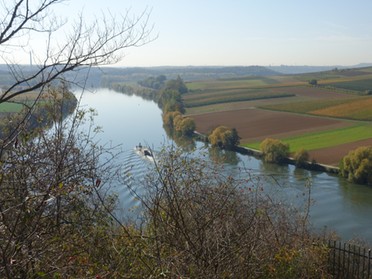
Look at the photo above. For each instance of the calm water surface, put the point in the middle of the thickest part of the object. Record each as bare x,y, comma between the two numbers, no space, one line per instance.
128,120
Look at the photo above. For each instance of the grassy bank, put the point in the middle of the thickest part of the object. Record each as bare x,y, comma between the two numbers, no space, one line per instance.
323,139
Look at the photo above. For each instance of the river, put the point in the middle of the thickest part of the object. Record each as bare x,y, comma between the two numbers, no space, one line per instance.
129,120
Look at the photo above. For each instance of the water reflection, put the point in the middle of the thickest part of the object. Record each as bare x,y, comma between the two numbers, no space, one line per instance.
128,120
358,195
301,174
187,144
274,169
223,156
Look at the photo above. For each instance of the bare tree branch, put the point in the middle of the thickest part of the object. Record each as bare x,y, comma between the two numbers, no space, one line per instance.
68,47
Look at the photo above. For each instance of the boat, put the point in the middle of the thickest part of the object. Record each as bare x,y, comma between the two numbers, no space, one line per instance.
144,151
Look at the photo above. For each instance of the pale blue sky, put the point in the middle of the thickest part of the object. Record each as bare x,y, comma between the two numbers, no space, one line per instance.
246,32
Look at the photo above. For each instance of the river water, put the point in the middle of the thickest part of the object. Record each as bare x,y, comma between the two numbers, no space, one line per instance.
129,120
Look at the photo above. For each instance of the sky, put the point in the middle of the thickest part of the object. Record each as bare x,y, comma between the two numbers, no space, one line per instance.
244,32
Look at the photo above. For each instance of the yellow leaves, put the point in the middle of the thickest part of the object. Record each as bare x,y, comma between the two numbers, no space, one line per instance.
274,150
224,137
286,255
357,165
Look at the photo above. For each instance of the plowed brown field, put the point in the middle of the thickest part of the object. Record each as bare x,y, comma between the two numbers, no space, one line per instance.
256,124
333,155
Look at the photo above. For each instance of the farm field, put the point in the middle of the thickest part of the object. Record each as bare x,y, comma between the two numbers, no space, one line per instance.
26,98
255,125
329,139
360,109
15,107
323,119
8,107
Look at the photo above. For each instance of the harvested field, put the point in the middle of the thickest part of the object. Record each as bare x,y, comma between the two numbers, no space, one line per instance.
333,155
255,124
360,109
304,116
313,92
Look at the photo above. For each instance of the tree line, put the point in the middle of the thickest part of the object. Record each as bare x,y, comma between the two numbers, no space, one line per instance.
356,166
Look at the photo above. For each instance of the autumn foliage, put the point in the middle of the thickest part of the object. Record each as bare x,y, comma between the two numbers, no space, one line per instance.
357,165
224,137
274,150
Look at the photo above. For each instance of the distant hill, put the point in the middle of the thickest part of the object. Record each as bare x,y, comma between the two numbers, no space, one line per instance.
190,73
289,70
105,76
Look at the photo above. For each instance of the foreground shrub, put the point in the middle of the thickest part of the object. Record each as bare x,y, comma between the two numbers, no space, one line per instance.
357,165
308,261
57,217
202,223
274,150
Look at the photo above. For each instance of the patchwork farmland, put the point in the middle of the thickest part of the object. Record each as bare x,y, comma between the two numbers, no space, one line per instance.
288,108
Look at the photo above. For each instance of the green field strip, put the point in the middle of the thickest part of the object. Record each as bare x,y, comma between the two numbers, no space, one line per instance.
229,84
10,107
221,92
306,106
323,139
229,99
355,85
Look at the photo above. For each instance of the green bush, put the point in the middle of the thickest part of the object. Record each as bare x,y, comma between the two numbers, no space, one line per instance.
301,157
185,126
313,82
177,124
357,165
274,150
224,137
202,223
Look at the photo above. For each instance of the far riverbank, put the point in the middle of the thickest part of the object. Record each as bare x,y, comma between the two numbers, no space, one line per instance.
313,166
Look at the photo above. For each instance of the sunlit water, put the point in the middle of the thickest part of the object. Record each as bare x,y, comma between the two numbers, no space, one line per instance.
130,120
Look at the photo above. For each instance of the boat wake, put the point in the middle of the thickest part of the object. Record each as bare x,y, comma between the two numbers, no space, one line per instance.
145,152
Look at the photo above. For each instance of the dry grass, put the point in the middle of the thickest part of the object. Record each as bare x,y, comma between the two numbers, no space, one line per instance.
360,109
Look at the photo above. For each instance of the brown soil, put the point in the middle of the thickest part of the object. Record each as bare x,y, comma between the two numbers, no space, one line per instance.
314,92
333,155
256,124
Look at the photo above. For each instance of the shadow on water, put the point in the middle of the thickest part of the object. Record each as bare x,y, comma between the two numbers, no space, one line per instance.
223,156
358,195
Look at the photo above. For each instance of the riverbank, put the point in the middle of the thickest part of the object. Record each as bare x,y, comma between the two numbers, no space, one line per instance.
313,166
306,165
63,104
338,205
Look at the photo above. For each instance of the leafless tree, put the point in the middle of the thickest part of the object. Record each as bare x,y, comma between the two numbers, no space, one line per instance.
67,46
54,186
48,196
202,222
